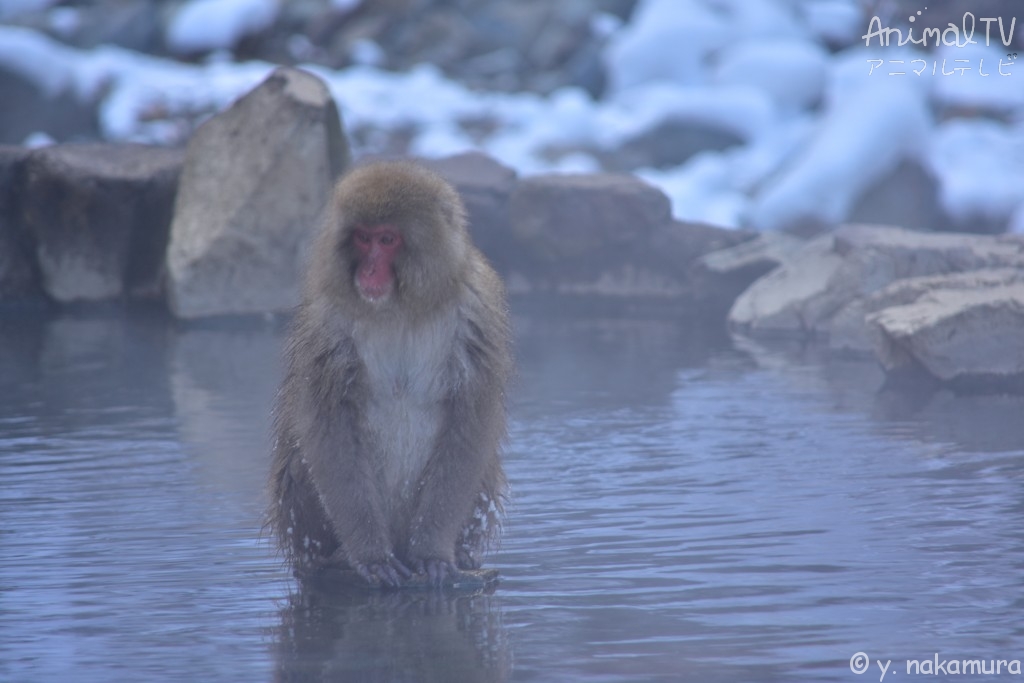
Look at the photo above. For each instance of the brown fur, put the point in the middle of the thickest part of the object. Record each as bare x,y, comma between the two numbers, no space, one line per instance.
391,414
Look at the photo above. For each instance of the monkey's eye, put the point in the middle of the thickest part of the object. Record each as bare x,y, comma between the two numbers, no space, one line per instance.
361,237
387,240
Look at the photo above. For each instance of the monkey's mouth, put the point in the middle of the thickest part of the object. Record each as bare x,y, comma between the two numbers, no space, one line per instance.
374,293
374,283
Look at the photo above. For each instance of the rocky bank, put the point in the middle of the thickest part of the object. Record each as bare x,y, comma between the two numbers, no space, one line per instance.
222,228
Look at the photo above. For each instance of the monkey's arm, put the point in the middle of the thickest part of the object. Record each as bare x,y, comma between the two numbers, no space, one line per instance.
448,491
468,444
327,392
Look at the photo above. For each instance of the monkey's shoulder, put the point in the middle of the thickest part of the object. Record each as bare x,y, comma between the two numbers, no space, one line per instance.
485,333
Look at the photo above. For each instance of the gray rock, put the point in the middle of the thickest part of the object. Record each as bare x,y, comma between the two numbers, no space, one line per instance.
612,236
572,215
27,109
849,330
720,275
581,233
750,259
668,144
99,217
907,197
19,276
679,250
126,23
485,186
967,337
256,179
801,297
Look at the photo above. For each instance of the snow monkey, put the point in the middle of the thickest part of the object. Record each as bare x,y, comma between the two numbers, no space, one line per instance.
391,414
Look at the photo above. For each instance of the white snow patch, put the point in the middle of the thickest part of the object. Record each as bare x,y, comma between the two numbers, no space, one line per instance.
760,19
64,20
202,25
837,21
970,77
701,190
980,167
365,51
39,60
715,187
38,139
870,125
741,110
667,40
792,73
603,24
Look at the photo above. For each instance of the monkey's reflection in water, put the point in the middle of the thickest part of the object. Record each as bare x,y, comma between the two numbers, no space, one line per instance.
361,635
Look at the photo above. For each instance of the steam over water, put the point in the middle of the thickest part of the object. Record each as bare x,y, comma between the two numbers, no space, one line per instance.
684,507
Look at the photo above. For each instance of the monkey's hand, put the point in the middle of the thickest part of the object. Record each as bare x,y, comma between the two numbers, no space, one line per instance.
387,571
435,569
464,559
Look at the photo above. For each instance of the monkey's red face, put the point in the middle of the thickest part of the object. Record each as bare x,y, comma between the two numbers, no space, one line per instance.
376,247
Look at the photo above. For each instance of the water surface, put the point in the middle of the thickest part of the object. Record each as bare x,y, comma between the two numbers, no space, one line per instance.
685,507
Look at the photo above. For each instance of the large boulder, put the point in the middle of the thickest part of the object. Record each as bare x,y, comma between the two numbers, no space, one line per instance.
19,277
99,215
485,186
722,274
851,331
579,232
611,235
969,337
256,179
669,143
908,196
802,297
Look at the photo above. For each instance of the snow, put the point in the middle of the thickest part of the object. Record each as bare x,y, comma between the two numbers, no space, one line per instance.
791,73
816,128
38,60
979,84
716,187
604,24
870,124
64,20
202,25
668,40
367,52
981,167
835,21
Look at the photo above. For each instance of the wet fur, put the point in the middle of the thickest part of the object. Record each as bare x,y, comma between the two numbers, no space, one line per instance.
389,421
